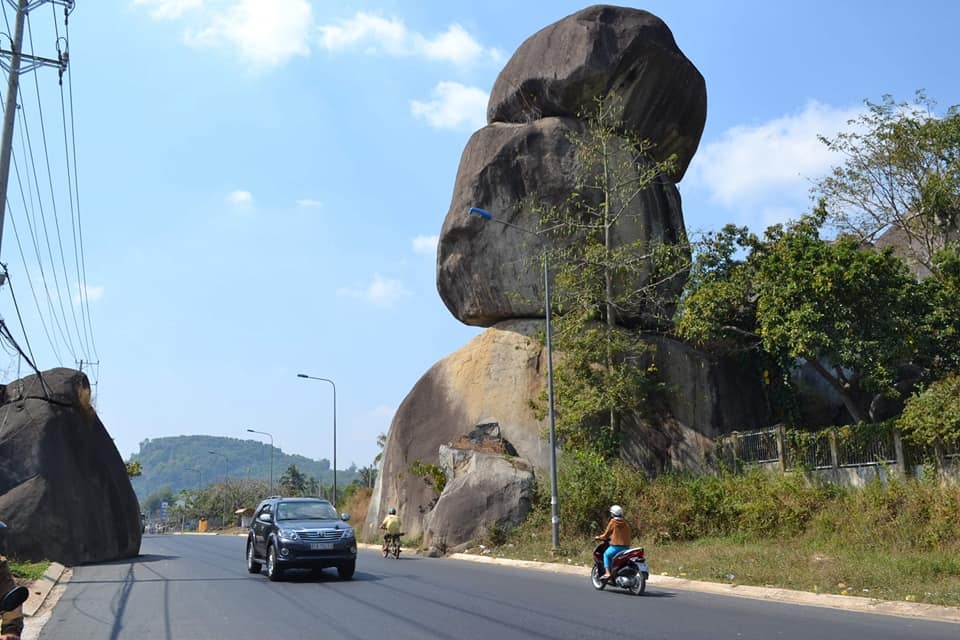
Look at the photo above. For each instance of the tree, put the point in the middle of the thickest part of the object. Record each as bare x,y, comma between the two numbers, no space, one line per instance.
718,311
602,285
293,482
932,416
850,312
134,469
941,327
901,170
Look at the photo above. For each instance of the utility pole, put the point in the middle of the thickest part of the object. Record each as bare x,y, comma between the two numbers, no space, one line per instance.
14,70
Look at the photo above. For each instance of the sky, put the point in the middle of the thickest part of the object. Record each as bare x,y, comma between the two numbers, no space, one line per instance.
238,191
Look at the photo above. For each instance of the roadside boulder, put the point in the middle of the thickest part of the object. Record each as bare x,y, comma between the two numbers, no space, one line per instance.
64,490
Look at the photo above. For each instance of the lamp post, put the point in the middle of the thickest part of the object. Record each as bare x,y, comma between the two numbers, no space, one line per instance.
554,499
264,433
227,463
303,375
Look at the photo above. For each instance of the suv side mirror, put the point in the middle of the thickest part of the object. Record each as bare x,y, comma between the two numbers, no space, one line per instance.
345,517
265,517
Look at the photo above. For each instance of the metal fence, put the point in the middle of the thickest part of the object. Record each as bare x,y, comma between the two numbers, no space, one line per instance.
827,449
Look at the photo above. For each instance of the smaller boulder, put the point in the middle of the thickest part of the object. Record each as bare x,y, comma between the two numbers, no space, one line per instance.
484,492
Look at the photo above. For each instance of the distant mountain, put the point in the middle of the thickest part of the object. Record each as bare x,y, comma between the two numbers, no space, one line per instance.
191,462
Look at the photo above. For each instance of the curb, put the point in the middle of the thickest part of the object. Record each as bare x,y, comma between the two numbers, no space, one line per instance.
40,588
831,601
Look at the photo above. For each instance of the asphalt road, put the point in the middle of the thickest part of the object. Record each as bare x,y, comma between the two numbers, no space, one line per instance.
197,587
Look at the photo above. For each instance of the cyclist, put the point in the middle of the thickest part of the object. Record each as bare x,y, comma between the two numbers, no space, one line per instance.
392,525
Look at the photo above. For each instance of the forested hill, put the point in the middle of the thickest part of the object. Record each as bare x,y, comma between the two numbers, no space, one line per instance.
194,462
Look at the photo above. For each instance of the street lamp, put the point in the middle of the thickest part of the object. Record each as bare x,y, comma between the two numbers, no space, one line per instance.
303,375
226,468
264,433
554,499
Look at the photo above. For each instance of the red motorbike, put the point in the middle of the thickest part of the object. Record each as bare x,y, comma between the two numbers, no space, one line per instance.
628,569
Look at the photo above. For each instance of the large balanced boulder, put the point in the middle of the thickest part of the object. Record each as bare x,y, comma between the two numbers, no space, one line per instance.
64,490
487,271
562,69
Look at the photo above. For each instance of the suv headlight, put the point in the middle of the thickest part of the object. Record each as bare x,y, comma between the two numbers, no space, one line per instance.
288,534
348,534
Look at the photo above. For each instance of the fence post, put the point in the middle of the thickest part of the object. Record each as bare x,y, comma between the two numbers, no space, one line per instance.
834,453
898,450
781,448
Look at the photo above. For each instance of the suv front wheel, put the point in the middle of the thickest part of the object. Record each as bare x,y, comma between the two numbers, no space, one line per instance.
252,565
274,572
345,570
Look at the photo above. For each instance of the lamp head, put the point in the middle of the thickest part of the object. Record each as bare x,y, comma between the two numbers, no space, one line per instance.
483,213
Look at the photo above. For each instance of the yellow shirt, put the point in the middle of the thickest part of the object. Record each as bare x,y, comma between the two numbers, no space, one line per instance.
392,524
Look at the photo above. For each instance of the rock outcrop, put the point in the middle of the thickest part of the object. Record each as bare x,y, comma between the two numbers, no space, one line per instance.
64,490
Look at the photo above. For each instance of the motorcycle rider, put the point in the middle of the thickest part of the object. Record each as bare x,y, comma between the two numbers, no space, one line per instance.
618,534
392,525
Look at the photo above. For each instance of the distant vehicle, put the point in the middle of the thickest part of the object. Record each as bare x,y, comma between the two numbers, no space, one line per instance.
300,533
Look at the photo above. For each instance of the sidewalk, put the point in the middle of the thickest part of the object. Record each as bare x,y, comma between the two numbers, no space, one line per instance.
40,589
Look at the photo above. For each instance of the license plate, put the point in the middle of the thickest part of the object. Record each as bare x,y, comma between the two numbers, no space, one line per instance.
321,546
642,566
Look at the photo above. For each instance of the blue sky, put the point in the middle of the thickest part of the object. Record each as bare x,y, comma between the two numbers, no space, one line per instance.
259,185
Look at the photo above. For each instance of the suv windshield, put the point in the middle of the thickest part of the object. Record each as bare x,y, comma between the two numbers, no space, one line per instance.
306,511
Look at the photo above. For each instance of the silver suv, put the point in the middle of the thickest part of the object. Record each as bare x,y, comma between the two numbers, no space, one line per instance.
300,533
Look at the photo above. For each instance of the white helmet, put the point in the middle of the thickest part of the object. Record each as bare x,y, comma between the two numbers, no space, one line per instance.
616,511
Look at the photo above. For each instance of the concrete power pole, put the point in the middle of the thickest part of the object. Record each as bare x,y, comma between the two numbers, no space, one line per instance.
16,56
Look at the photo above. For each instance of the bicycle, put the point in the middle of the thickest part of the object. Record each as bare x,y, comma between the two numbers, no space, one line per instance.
391,545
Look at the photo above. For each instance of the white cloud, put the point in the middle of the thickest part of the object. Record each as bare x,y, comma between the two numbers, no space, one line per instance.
87,293
375,34
240,198
454,106
309,202
263,33
382,291
169,9
769,166
425,245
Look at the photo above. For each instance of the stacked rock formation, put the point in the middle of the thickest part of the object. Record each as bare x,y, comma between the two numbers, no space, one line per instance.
489,275
524,155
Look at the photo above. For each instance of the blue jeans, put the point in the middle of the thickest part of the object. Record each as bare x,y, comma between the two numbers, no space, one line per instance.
611,551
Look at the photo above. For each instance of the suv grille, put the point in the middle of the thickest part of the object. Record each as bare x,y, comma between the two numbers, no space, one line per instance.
318,535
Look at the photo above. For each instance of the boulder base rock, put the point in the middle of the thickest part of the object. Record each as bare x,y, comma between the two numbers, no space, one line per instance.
490,379
64,490
494,377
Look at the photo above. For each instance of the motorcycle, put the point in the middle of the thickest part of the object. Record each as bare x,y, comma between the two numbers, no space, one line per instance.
628,569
